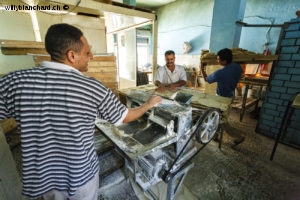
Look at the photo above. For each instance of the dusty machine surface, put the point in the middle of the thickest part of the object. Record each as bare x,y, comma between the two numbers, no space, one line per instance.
159,146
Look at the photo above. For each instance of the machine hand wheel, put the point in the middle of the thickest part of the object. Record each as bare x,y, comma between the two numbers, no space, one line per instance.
207,126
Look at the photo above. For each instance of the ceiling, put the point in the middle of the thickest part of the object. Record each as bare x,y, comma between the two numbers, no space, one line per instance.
150,4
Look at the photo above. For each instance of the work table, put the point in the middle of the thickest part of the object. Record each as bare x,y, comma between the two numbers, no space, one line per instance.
199,99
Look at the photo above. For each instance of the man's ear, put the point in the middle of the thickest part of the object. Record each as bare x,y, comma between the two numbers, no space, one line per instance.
71,56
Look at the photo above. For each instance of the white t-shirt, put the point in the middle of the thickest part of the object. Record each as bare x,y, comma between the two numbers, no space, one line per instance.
165,76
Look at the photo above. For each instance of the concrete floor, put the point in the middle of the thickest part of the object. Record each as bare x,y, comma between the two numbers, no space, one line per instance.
245,171
241,172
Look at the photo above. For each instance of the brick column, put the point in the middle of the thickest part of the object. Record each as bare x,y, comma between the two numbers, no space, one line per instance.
284,83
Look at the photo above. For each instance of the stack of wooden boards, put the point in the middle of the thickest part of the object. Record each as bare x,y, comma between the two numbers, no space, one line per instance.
101,67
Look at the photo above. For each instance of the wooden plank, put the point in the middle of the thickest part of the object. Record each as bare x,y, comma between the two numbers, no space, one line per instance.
104,58
104,1
104,61
102,69
240,56
97,74
249,102
111,85
21,51
22,44
102,64
102,78
94,62
20,47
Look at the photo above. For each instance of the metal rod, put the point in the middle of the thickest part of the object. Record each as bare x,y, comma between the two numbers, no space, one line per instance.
258,25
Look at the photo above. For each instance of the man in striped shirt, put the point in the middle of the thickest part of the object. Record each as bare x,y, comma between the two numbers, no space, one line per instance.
55,107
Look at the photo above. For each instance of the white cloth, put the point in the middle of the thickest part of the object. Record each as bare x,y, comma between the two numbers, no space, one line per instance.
165,76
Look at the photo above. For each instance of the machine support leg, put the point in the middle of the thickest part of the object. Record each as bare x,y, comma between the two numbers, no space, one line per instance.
221,135
126,171
244,103
176,181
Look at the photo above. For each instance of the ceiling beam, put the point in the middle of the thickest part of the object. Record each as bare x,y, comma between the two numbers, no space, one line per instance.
105,7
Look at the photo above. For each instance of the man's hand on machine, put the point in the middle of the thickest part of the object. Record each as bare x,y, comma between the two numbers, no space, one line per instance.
135,113
153,100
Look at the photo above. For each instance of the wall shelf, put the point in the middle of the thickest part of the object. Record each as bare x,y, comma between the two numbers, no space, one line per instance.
258,25
242,56
20,47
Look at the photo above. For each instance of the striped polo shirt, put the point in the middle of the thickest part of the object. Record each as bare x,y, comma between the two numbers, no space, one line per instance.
55,107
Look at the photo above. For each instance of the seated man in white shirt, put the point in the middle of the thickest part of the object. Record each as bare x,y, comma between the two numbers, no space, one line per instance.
170,76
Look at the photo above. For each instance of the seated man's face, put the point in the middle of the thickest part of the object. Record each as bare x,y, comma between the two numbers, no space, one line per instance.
170,60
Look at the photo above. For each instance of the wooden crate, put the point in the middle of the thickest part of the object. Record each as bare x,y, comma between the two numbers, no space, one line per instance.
102,68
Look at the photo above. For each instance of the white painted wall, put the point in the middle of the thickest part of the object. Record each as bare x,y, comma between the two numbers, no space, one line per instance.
18,26
14,26
93,28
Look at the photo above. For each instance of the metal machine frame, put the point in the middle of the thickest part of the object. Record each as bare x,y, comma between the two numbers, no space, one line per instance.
168,156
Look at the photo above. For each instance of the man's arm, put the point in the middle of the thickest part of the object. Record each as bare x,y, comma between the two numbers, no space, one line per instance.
178,83
135,113
159,84
173,86
182,80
